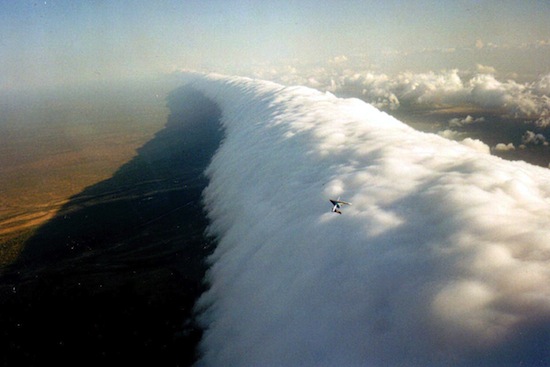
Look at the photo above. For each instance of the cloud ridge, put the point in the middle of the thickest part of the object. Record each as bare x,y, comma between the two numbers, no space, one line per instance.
443,259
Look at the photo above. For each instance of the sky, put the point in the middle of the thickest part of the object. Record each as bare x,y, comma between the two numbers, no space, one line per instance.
60,42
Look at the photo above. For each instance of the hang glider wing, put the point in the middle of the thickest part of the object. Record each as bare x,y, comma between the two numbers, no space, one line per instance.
337,204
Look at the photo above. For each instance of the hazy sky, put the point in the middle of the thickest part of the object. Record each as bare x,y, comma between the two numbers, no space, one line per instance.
59,41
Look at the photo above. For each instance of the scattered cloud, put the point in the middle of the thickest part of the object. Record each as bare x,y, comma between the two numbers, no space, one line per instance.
531,138
505,147
480,89
339,59
483,69
457,122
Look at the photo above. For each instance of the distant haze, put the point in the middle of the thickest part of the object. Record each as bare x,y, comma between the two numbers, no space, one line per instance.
56,42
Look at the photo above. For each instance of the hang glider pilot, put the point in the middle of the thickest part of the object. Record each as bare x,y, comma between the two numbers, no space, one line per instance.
337,205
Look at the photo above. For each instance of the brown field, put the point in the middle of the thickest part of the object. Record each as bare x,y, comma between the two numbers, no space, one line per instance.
54,145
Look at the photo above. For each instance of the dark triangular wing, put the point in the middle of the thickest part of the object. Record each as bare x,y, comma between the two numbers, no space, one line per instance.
336,202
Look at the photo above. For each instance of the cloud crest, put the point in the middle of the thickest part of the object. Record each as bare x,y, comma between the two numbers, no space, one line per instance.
442,259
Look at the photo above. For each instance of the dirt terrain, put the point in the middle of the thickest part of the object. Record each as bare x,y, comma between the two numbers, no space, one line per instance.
103,244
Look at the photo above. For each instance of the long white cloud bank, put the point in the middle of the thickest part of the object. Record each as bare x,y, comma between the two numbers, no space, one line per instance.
443,259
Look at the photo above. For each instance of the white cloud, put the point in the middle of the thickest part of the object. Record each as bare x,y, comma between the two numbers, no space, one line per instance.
477,145
450,134
542,86
544,120
442,259
505,147
456,122
532,138
342,59
484,69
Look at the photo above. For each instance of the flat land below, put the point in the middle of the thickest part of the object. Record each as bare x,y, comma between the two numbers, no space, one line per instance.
55,144
102,232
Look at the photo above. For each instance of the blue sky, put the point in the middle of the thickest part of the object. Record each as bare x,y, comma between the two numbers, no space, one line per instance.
58,42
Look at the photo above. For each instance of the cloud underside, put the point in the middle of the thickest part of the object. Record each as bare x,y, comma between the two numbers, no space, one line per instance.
443,258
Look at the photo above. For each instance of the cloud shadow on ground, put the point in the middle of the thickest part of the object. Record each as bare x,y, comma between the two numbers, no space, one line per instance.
114,276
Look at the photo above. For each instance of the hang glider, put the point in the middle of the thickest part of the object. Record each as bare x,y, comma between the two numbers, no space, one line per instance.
337,204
